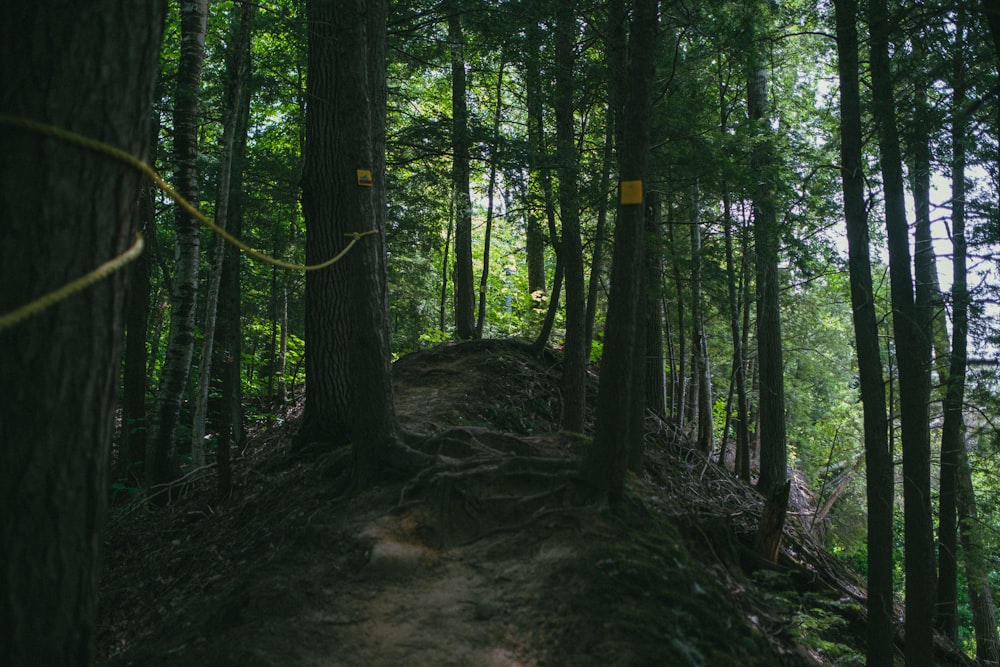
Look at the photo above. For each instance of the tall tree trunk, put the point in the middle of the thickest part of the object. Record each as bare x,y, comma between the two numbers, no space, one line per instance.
495,158
977,567
65,210
699,341
574,361
162,465
878,457
460,174
272,315
237,70
349,395
654,365
534,235
443,303
550,312
132,444
229,332
559,271
615,58
678,386
600,241
913,359
735,282
956,488
767,241
607,459
949,363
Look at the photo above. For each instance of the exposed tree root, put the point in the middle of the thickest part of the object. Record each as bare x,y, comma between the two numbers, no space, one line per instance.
483,482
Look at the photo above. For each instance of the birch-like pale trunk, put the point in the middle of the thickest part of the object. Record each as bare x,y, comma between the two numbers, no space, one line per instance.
162,466
236,73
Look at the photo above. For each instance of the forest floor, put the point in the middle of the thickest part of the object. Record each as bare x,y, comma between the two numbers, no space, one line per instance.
492,559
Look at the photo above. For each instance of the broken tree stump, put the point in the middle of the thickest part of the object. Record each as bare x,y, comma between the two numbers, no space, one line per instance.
772,522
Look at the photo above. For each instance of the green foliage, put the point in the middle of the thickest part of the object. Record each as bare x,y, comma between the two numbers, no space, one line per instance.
123,492
819,625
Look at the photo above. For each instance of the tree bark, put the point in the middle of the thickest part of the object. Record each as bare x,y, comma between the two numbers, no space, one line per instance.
534,234
767,241
699,340
977,567
913,359
767,541
878,459
64,210
574,362
494,159
654,365
237,71
957,496
460,174
615,58
349,394
162,466
735,281
135,386
678,393
229,332
607,459
443,302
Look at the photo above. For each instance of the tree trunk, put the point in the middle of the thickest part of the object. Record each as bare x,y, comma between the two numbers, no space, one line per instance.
229,332
443,303
65,210
615,57
699,341
550,313
767,241
162,466
953,427
878,459
913,359
734,282
464,297
559,272
349,395
132,444
737,287
607,459
956,479
495,158
534,235
238,70
679,371
574,362
654,365
600,241
767,541
977,568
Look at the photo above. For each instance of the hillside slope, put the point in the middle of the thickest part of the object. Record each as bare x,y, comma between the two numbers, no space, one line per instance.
495,557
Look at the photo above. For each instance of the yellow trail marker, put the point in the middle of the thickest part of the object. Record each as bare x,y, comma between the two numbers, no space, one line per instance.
631,192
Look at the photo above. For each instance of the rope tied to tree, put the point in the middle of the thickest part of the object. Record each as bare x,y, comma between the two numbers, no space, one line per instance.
12,318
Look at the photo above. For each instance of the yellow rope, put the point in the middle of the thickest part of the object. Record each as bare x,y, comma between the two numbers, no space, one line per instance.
9,319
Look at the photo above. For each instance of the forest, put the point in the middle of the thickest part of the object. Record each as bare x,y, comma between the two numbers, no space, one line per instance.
770,228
